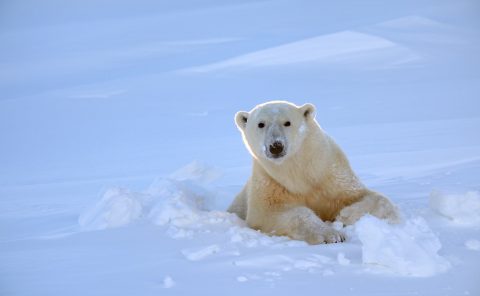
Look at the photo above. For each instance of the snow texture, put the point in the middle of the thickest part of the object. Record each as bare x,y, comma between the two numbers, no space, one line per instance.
410,249
180,201
168,282
182,204
117,207
461,209
340,47
197,255
342,260
473,244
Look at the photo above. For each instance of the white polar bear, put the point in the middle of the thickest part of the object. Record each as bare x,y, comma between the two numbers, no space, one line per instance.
300,177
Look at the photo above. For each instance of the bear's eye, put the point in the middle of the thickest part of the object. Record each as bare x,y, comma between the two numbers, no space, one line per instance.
287,123
261,125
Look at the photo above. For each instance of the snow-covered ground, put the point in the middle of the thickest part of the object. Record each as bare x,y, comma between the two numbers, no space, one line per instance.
119,154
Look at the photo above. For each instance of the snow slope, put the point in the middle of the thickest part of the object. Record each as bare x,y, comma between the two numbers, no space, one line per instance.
119,154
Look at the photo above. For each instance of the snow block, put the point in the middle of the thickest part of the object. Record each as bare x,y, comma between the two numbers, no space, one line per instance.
410,249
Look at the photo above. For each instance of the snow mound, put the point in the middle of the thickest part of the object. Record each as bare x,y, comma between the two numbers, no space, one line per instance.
461,209
179,200
409,249
116,208
184,203
197,172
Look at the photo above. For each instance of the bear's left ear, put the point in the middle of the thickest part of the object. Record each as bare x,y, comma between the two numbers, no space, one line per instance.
308,110
241,119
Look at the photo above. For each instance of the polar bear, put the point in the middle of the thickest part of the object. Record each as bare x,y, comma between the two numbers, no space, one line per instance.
301,178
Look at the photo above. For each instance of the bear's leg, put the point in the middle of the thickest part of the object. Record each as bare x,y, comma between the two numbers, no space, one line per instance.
371,203
239,204
301,223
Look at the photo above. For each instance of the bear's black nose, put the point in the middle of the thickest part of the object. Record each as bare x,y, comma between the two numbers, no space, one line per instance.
276,148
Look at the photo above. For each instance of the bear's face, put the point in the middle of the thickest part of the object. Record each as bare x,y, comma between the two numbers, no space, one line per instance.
275,130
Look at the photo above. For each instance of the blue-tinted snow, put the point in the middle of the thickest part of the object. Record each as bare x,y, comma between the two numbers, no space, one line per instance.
100,99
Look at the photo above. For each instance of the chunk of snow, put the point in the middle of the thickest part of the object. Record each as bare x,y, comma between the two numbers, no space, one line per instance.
168,282
197,172
176,204
196,255
177,201
342,260
116,208
462,209
409,249
241,279
473,244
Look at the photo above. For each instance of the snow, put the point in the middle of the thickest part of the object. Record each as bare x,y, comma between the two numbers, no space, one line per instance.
168,282
117,207
202,253
119,154
408,249
461,209
341,47
473,244
177,200
342,260
242,279
184,204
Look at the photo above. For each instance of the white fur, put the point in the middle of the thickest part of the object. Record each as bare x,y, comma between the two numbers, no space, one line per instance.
293,195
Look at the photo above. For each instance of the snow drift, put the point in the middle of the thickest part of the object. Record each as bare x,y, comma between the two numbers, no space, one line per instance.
183,203
181,200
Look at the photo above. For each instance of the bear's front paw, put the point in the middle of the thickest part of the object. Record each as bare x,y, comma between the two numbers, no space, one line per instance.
326,236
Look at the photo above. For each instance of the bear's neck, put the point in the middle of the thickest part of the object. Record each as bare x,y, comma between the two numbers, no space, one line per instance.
301,172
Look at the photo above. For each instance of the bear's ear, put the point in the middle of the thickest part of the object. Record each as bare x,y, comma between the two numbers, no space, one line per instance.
308,110
241,119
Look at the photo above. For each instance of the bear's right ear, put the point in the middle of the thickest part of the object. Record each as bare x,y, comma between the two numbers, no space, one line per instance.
241,119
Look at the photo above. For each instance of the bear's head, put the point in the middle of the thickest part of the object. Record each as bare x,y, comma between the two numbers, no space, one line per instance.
273,131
